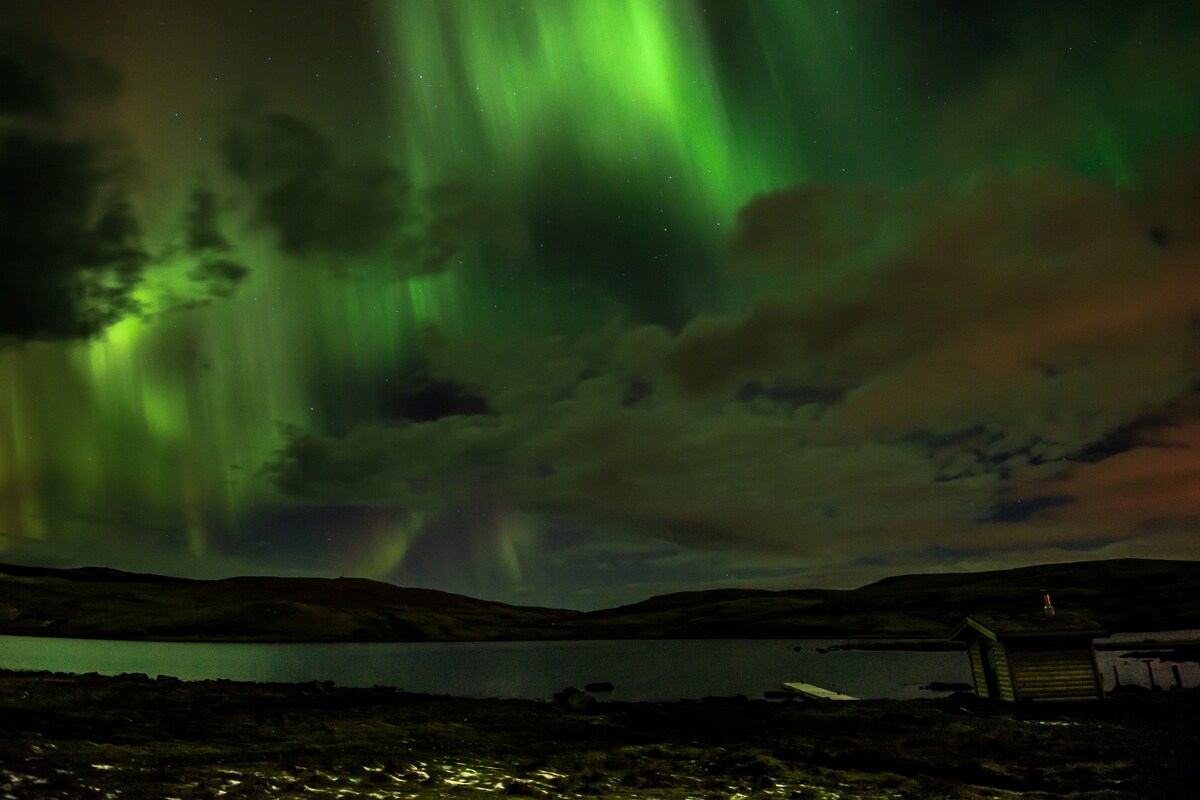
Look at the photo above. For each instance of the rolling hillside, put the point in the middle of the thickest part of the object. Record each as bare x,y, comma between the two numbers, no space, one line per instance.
102,603
1122,595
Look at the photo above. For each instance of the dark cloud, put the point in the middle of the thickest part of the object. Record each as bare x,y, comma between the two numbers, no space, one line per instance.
72,248
202,224
811,225
323,204
426,399
454,218
565,444
787,396
327,469
636,391
70,251
1016,273
991,361
217,271
219,276
1127,436
718,352
316,202
38,79
1029,335
347,397
1011,512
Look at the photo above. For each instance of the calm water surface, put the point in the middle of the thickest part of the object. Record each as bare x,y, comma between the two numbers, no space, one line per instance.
1116,665
639,670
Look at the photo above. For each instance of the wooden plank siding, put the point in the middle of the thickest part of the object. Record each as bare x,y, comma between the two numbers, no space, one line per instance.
1035,656
1003,672
1060,672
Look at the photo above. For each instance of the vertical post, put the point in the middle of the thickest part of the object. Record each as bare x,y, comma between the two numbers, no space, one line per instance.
1178,678
1116,677
1150,672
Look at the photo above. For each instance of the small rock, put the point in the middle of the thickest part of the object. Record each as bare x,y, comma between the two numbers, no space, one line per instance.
571,699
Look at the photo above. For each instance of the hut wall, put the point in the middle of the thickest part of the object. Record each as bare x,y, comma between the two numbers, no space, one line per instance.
1064,671
1003,672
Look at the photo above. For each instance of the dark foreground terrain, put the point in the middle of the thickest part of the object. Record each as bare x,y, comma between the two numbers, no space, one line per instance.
131,737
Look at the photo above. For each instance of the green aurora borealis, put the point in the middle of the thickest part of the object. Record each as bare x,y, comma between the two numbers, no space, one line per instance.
574,302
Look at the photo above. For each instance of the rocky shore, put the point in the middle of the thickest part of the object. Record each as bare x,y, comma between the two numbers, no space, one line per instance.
68,736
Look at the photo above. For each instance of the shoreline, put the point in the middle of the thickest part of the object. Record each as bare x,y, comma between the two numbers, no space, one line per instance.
133,737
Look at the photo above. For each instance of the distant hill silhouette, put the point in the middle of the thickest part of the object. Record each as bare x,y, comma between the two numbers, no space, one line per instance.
96,602
1122,594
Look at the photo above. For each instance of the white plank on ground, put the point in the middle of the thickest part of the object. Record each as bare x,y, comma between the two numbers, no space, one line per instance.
816,692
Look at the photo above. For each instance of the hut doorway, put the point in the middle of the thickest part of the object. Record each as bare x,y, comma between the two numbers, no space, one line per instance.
990,677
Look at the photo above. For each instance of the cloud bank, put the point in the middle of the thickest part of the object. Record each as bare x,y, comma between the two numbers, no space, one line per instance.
1007,365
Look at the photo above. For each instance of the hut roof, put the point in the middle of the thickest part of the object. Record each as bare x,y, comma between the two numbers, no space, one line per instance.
1030,625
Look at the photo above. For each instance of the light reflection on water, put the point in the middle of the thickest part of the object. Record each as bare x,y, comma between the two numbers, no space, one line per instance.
639,670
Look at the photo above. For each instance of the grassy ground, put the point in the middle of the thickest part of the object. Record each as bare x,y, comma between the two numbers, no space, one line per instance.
87,736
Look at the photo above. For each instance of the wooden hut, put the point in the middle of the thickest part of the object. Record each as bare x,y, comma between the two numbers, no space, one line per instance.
1034,656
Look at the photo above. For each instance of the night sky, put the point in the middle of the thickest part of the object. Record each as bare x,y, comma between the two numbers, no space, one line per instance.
573,303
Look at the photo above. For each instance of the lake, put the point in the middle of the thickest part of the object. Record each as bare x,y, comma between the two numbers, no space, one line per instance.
1115,665
639,670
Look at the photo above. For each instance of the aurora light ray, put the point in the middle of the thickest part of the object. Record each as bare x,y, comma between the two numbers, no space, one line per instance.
565,194
491,89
